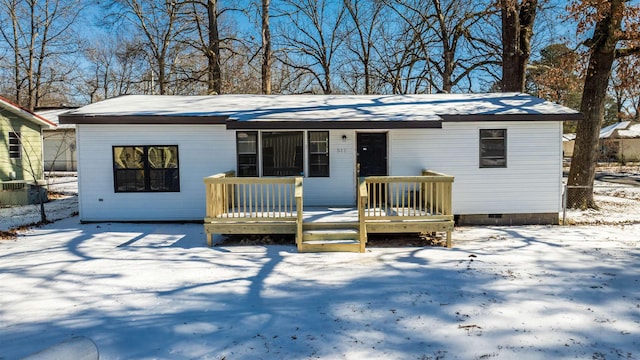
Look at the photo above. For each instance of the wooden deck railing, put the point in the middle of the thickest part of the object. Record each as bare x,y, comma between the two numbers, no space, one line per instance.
394,203
251,200
386,204
416,197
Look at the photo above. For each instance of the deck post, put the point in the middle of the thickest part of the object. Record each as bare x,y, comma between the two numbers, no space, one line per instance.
299,210
363,196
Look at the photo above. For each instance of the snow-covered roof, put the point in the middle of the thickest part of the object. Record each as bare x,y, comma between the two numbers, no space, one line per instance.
621,130
25,114
53,116
607,131
328,108
630,132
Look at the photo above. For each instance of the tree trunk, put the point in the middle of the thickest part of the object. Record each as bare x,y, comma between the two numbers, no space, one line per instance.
214,85
517,30
41,198
603,47
327,81
266,49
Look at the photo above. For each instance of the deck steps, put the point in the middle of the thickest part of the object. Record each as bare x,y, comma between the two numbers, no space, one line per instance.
330,237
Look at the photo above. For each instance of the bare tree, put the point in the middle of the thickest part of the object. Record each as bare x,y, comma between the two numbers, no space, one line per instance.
207,38
365,19
159,24
312,37
616,33
116,66
266,48
401,67
447,35
37,34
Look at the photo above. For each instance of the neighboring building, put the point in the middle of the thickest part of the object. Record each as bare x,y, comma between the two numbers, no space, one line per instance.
608,149
621,142
59,142
20,152
568,143
145,157
618,142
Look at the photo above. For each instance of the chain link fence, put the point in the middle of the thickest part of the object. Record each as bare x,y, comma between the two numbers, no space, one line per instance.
617,203
569,197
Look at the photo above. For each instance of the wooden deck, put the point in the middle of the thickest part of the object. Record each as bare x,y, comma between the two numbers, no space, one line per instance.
386,204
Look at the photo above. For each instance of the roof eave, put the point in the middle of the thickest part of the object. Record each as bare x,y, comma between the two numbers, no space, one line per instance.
327,125
26,114
142,119
513,117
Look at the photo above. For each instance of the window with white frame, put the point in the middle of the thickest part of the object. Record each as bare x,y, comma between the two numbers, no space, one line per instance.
15,145
318,153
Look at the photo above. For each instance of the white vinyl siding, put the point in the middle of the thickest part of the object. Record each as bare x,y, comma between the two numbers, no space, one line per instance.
531,183
203,150
339,188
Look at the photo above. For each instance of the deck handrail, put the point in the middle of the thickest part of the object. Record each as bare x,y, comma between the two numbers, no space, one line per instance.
231,198
424,197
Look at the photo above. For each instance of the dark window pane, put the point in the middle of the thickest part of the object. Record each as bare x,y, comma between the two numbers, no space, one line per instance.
128,157
164,180
15,148
247,142
247,148
247,165
130,180
318,153
163,157
493,149
282,153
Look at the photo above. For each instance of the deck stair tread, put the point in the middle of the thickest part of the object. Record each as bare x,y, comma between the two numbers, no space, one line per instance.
330,234
330,225
332,231
331,242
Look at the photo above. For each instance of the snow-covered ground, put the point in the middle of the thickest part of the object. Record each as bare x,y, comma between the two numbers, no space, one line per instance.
149,291
63,206
155,291
619,204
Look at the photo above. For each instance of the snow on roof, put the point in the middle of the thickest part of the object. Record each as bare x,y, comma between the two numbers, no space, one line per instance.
630,132
52,116
25,114
607,131
325,107
624,131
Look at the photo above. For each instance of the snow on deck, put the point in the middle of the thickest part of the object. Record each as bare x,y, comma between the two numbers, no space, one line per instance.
325,107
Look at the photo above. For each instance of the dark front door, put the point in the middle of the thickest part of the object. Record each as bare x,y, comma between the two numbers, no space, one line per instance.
372,154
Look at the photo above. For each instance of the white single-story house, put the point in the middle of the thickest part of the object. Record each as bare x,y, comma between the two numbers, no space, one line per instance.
143,158
59,142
